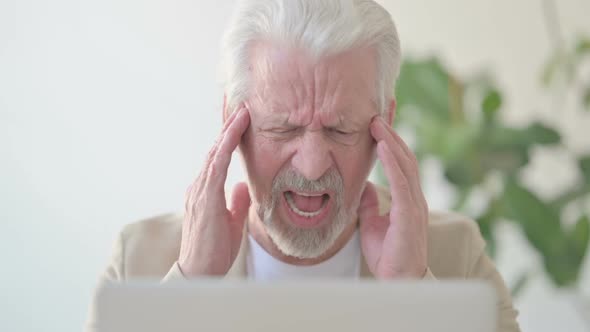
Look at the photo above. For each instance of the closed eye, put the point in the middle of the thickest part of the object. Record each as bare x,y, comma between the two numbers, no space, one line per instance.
343,136
338,131
280,133
282,130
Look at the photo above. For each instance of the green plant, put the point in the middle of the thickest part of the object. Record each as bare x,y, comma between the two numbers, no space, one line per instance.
457,122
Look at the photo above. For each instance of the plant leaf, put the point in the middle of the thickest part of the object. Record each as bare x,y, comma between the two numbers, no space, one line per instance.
561,268
564,266
457,142
460,174
539,222
538,133
586,99
508,159
580,236
425,85
491,104
584,164
583,46
543,230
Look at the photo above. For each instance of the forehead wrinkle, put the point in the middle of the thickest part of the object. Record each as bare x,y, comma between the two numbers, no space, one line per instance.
322,83
313,91
276,82
296,91
293,85
308,94
328,91
274,118
333,102
319,88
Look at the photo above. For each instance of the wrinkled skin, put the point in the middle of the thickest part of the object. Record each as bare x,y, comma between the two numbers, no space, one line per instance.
311,116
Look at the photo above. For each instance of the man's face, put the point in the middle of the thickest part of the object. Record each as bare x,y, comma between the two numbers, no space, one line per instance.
308,150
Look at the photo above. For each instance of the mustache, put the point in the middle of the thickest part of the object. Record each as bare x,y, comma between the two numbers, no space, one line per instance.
291,179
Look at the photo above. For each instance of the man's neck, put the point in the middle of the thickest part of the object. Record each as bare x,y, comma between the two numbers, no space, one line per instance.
257,231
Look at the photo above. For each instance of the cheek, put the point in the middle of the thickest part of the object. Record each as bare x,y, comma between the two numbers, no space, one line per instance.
263,158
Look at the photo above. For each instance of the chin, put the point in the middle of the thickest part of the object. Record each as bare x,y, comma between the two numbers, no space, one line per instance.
304,242
304,218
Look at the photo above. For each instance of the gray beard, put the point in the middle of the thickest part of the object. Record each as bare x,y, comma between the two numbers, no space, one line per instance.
301,242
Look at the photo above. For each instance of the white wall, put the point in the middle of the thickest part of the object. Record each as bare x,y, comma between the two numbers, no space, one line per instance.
108,108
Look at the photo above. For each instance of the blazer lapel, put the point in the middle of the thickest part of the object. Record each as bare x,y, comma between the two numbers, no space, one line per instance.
365,272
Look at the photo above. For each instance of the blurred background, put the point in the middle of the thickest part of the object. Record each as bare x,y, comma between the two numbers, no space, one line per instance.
107,110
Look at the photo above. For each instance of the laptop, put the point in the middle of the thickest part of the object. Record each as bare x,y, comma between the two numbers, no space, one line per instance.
323,305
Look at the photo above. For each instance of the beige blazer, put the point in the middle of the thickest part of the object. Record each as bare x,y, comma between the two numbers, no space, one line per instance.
149,249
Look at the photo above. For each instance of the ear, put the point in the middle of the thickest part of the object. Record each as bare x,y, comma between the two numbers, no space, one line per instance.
390,114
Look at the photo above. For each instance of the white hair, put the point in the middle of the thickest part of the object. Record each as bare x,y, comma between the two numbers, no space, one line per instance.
321,27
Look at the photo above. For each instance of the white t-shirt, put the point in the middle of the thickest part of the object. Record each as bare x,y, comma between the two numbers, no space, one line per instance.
261,266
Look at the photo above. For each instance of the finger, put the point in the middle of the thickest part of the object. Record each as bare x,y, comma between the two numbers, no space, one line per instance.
188,198
209,159
213,151
229,142
382,132
192,195
371,222
372,226
418,194
240,202
231,118
369,206
400,187
407,152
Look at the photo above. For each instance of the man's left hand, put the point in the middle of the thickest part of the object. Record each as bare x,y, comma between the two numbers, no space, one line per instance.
395,245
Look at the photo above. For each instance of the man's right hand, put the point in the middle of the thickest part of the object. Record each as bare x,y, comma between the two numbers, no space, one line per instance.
211,233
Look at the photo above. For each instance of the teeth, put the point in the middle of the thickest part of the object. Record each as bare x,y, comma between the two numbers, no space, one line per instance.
309,195
289,197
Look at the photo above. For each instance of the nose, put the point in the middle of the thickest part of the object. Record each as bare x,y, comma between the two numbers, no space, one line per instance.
313,156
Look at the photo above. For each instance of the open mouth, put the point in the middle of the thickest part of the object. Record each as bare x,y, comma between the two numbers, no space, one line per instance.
307,205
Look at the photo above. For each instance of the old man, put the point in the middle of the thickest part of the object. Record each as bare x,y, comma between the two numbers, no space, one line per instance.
309,107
